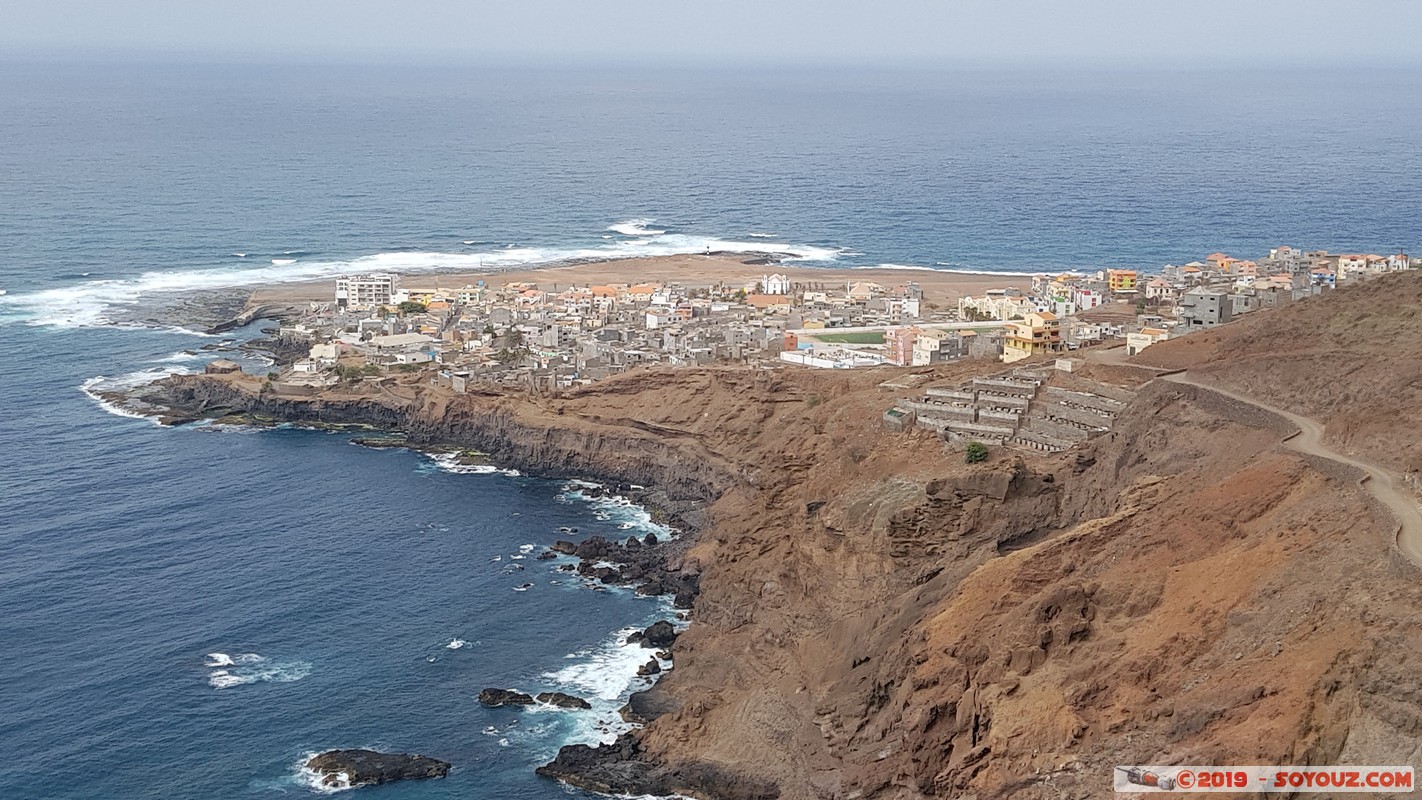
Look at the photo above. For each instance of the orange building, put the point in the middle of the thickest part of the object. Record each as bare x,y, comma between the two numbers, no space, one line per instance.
1222,262
1121,280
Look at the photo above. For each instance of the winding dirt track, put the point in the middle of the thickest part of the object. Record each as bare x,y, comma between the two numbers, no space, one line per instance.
1378,482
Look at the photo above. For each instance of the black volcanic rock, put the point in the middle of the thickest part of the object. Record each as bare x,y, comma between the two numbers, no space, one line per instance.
594,547
504,697
649,668
645,706
562,700
624,768
369,767
565,547
614,768
659,635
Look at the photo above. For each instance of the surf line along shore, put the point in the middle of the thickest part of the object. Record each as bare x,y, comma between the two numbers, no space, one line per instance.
693,270
680,483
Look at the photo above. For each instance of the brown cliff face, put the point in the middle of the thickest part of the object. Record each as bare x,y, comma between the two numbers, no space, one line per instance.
1181,589
879,620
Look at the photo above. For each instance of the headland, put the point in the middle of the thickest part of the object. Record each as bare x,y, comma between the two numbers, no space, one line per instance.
879,617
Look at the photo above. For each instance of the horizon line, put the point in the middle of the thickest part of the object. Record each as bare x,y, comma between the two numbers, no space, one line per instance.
530,59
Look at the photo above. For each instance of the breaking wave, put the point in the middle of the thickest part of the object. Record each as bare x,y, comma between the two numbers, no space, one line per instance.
95,388
604,675
308,778
181,357
228,671
449,462
628,515
93,303
635,227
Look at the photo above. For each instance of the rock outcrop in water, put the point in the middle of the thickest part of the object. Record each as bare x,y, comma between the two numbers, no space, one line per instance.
562,700
877,619
658,635
351,768
494,698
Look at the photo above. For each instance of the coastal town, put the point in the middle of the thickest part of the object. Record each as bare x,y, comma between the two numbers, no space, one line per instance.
547,335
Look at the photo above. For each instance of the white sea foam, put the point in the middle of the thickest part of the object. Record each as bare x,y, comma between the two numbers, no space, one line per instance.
94,388
604,675
761,235
244,668
449,462
455,644
222,679
180,357
615,508
311,779
635,227
91,303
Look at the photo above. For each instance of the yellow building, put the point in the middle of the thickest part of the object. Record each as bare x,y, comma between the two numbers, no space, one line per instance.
1121,280
1037,333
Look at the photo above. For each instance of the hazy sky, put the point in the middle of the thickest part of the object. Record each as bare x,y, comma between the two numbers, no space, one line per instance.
1320,32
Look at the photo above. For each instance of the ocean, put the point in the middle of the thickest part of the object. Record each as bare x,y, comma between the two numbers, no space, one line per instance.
188,612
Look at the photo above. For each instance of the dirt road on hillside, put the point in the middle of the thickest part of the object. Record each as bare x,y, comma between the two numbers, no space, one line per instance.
1380,483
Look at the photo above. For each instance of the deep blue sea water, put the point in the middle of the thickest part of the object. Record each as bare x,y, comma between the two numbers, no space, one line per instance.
129,553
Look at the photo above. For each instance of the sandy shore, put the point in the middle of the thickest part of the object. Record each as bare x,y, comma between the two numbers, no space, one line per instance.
688,270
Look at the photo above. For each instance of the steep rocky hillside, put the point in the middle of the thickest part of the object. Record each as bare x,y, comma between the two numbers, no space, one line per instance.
1351,358
1181,590
878,619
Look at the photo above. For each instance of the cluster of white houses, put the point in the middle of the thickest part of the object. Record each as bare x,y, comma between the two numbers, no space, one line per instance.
1177,300
547,335
524,333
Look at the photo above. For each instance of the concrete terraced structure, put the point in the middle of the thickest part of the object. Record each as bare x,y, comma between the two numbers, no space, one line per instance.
1032,409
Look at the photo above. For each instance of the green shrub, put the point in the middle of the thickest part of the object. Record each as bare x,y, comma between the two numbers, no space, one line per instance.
975,452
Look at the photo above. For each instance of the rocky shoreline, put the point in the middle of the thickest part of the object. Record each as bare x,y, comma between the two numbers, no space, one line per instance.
651,565
876,618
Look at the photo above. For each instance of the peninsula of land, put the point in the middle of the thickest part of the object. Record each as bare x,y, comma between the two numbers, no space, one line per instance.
883,612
